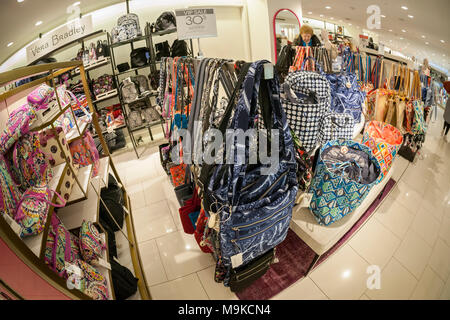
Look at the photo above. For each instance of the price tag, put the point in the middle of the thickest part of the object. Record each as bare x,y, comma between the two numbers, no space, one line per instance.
268,71
196,23
305,200
236,260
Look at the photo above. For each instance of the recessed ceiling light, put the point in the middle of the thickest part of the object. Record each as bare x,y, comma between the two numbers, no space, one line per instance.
404,8
390,30
310,12
383,16
76,3
331,18
328,7
20,0
410,16
403,30
321,15
11,43
38,23
349,24
427,43
442,41
423,37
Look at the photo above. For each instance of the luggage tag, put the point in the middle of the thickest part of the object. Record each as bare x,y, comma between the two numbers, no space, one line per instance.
13,224
268,71
237,260
102,263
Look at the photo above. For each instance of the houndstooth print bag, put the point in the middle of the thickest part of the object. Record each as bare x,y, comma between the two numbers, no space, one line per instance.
335,126
306,99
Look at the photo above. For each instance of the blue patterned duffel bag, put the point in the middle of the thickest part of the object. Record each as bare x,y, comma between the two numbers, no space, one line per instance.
346,171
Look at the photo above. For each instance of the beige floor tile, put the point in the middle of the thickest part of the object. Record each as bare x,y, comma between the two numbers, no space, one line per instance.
364,297
444,232
151,260
214,290
429,287
343,276
185,288
304,289
406,196
426,226
156,222
375,243
414,254
416,178
440,259
396,283
445,295
395,217
181,255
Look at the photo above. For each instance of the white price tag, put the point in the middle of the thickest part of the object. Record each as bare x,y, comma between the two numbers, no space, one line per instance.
236,260
196,23
305,200
268,71
73,269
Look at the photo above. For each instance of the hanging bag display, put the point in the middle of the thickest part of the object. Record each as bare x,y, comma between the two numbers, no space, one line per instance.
18,124
385,141
9,192
345,173
306,99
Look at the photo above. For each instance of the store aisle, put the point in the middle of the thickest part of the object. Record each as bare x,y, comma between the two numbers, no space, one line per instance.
408,237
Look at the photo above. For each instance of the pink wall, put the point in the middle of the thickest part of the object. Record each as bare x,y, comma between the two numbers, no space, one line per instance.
16,274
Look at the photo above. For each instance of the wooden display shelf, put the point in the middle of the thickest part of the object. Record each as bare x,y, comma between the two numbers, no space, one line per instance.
73,215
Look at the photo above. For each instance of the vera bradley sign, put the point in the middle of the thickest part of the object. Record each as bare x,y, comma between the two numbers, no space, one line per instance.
59,37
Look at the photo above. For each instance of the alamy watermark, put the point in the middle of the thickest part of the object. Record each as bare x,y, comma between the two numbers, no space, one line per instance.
236,147
374,19
374,280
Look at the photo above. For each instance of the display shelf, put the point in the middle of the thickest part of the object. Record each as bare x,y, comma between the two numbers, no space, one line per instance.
104,171
113,129
132,70
151,94
106,96
73,215
34,243
118,44
84,176
57,175
48,123
73,134
104,271
95,65
164,32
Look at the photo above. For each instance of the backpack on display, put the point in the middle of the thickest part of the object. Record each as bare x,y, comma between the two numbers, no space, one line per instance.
179,49
140,57
127,28
142,81
103,84
124,282
130,90
165,21
9,193
162,50
102,49
31,166
18,124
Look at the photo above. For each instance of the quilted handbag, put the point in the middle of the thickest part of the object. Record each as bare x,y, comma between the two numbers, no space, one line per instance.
306,99
346,94
252,205
9,192
91,244
335,126
85,153
18,124
385,141
32,210
93,282
31,165
61,247
345,173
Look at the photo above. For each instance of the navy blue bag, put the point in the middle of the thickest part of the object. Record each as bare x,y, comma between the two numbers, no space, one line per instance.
254,210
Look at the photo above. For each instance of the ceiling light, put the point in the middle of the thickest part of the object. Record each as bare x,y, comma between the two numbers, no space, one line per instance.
331,18
423,37
321,15
442,41
383,16
76,3
38,23
401,38
390,30
328,7
349,24
410,16
20,0
427,43
310,12
404,8
403,30
11,43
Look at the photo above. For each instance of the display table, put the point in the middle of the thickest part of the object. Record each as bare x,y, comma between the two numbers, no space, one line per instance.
322,238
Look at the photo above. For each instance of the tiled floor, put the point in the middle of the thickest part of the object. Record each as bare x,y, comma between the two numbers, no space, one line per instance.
408,237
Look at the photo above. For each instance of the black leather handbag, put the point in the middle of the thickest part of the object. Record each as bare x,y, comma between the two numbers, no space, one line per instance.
243,277
123,67
139,57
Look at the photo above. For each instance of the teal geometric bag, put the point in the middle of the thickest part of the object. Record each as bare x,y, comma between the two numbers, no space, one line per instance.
345,173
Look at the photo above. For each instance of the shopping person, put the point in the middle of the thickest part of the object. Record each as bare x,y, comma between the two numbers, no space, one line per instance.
307,38
447,111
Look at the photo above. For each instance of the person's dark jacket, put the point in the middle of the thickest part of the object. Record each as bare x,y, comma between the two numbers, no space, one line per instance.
315,42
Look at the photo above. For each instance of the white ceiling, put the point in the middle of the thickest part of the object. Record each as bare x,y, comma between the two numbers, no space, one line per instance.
17,20
430,19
